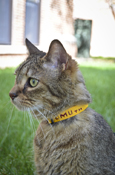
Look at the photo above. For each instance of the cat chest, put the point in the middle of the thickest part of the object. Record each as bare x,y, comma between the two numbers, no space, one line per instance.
57,156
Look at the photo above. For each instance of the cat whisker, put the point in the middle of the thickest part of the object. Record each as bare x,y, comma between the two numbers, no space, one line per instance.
59,119
9,119
24,120
30,100
6,134
31,122
32,119
47,110
38,122
7,104
45,119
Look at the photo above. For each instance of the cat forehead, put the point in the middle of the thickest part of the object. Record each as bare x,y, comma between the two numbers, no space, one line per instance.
28,69
30,65
23,68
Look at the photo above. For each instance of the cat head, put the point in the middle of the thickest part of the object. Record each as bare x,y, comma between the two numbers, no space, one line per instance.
48,82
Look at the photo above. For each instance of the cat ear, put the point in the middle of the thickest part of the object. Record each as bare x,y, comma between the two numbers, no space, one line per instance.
57,55
32,49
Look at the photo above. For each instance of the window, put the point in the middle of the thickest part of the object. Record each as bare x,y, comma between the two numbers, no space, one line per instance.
5,21
32,20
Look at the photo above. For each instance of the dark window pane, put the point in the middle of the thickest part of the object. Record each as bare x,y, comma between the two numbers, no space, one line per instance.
32,21
5,21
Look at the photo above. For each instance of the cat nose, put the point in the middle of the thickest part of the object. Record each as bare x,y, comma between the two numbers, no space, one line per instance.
13,95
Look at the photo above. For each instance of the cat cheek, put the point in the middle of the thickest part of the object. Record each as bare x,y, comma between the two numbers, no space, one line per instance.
17,103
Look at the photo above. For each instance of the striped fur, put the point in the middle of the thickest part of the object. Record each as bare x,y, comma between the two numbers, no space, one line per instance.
81,145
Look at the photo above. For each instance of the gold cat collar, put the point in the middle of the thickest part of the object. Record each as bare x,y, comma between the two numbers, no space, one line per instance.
68,113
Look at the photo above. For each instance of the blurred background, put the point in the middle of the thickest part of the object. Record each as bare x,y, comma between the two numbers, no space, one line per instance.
87,30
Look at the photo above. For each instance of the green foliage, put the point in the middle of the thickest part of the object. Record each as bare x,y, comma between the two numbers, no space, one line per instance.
17,130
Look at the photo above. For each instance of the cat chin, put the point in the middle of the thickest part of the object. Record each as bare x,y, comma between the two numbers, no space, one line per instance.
19,106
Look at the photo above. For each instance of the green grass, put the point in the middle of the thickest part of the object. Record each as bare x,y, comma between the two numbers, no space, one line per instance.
16,131
104,58
100,81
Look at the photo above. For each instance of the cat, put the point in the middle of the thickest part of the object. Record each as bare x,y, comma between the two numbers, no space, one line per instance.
72,139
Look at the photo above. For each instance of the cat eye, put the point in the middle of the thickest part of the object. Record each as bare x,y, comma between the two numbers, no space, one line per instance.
33,82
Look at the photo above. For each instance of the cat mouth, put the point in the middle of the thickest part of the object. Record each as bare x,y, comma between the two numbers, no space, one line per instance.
21,105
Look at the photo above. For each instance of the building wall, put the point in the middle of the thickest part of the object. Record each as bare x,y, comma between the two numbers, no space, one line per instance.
17,31
103,34
103,25
12,55
18,21
56,22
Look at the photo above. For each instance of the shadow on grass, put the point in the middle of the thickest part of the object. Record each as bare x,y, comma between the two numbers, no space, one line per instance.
17,132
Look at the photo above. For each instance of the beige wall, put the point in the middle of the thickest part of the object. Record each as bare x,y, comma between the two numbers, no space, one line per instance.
103,34
18,22
17,32
103,26
56,22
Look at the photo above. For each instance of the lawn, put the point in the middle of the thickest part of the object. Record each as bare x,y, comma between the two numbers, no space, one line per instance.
17,130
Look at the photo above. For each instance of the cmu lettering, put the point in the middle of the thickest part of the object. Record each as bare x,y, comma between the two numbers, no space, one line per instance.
76,111
80,109
70,112
63,115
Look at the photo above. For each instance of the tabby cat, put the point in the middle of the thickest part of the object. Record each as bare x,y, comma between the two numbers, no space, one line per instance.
72,139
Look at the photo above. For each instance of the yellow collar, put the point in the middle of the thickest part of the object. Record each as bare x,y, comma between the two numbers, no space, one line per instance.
69,113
